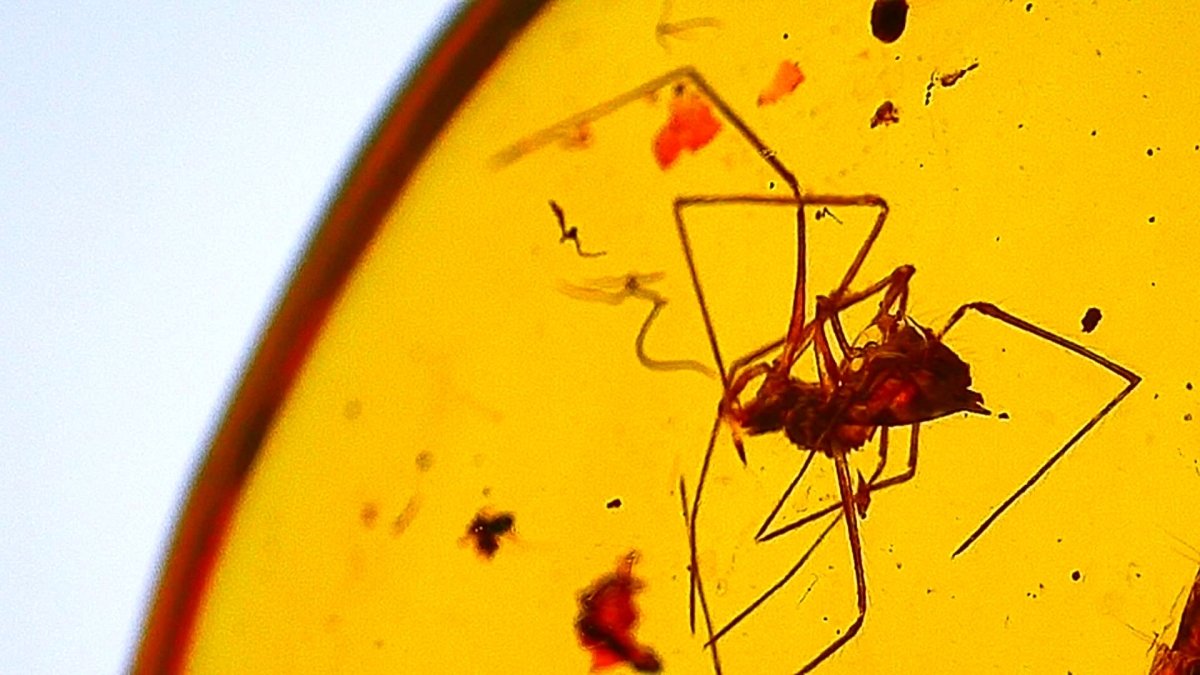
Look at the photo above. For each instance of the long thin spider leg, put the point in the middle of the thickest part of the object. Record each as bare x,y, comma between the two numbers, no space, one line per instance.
739,364
839,334
990,310
883,456
567,127
697,586
895,290
685,242
762,535
791,349
696,503
795,341
894,287
683,502
783,498
909,471
873,486
850,515
783,580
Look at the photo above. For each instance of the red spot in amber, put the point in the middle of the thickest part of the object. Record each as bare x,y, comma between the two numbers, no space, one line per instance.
787,77
690,128
607,618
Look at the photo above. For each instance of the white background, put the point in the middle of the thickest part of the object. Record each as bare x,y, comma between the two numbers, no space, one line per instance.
160,171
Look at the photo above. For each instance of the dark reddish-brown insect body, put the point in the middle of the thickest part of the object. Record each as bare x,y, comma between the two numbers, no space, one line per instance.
910,377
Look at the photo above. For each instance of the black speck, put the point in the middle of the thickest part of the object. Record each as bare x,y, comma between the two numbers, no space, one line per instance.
1187,417
1076,575
1149,152
888,18
1090,318
1029,7
1021,125
1093,132
1152,219
1188,386
785,36
486,531
1002,416
424,461
771,185
614,503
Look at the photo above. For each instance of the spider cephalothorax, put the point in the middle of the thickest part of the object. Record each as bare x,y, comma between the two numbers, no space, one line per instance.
909,377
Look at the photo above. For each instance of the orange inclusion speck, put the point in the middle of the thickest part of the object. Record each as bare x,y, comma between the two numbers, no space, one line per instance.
787,78
691,127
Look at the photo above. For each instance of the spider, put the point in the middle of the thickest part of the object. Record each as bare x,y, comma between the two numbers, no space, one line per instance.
904,377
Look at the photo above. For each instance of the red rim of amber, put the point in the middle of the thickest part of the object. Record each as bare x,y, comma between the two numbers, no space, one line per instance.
405,133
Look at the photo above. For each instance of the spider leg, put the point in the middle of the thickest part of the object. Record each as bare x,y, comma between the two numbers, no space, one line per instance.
1132,379
875,484
850,515
895,291
847,512
783,580
799,333
682,203
696,585
794,340
566,128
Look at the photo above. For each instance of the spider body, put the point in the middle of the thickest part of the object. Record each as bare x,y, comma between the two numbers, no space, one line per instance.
910,377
